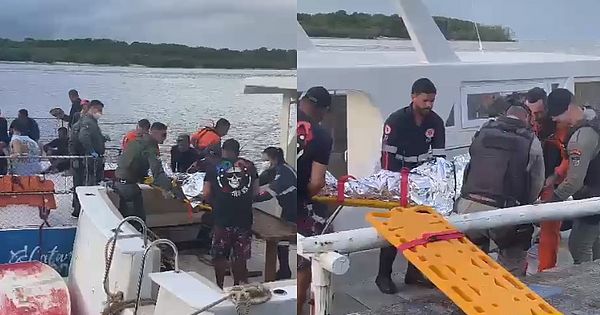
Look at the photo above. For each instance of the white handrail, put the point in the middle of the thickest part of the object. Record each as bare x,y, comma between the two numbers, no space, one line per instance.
368,238
324,249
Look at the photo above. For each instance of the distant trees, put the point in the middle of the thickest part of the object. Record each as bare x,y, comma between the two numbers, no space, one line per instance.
118,53
362,25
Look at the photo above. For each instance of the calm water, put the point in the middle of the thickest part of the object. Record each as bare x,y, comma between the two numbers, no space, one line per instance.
183,99
569,47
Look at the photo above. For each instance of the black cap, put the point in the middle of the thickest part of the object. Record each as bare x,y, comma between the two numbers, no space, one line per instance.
558,101
183,137
231,145
318,95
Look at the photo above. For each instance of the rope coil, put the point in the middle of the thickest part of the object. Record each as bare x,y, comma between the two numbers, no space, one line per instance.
114,301
243,297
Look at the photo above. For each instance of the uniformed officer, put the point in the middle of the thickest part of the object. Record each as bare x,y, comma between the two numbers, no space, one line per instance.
506,169
283,188
86,139
411,136
313,149
140,156
583,175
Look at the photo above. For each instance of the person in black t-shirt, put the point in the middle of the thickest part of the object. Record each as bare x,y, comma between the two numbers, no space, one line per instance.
183,155
412,136
313,150
59,146
32,129
230,188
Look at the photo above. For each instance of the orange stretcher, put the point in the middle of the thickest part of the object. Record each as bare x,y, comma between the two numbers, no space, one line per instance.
464,273
27,190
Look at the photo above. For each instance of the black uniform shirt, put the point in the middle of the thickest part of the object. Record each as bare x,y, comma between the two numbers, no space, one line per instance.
182,160
317,149
406,144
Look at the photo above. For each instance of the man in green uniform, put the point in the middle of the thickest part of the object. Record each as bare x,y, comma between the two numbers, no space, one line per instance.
140,156
86,139
583,176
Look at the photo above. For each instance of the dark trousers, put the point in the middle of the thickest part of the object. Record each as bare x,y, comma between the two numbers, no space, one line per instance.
131,202
84,174
3,164
387,255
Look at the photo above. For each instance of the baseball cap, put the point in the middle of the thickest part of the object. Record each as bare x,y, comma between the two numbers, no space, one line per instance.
183,137
559,101
319,96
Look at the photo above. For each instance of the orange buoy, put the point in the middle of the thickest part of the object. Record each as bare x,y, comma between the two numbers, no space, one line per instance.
32,288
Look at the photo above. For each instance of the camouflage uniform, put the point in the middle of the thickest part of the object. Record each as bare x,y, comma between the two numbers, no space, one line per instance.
86,138
140,156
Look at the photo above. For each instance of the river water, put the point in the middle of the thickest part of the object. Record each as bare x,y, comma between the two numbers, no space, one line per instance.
549,46
184,99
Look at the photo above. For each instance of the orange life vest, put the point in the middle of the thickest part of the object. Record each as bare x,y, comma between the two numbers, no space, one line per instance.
205,137
130,136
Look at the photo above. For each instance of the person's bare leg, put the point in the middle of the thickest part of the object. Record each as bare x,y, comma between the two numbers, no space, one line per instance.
220,265
303,284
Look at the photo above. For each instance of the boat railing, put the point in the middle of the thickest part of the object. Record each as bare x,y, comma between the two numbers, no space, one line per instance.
330,253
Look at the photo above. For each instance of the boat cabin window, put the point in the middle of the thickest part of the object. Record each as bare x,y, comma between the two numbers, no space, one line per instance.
481,101
486,105
588,94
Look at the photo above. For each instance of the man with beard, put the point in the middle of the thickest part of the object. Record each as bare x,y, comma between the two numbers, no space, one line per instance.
412,136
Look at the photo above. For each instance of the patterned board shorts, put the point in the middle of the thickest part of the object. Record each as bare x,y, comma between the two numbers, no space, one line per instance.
309,226
228,239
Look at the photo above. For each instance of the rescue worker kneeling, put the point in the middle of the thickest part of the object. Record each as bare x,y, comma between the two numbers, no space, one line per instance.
506,170
140,156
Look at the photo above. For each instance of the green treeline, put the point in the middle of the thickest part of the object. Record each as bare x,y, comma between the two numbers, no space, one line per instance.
368,26
117,53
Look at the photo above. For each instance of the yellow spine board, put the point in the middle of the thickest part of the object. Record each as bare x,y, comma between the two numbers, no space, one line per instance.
470,278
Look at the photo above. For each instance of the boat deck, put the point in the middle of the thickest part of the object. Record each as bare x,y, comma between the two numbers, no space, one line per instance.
564,287
196,261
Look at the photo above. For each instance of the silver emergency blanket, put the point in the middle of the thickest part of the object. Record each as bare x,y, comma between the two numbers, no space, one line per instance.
460,163
435,183
191,184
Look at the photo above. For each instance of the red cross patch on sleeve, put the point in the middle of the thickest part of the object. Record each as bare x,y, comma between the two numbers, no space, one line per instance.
387,129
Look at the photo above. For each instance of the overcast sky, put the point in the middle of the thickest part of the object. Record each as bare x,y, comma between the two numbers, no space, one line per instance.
237,24
529,19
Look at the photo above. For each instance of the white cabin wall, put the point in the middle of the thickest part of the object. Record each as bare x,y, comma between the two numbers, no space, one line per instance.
363,116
